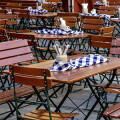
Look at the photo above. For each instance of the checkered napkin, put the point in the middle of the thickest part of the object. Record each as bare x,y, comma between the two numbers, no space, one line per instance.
98,2
54,3
57,31
38,11
91,59
107,18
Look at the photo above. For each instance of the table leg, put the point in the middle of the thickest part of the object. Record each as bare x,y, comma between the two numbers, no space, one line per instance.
98,96
64,98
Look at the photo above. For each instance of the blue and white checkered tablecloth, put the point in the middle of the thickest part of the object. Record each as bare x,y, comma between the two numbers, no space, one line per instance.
54,3
98,3
91,59
107,18
38,11
57,31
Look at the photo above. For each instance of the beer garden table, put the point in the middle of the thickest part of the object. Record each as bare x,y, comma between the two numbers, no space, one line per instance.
71,76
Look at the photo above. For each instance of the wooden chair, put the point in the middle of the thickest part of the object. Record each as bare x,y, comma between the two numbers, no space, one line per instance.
11,5
2,24
23,16
41,78
49,7
91,24
107,31
13,52
31,42
110,10
98,41
11,21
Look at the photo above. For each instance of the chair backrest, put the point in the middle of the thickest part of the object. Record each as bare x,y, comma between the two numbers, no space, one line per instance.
11,21
30,39
3,35
101,44
22,36
25,75
11,5
49,7
107,12
2,24
100,41
22,13
115,49
16,51
107,31
38,78
110,8
92,25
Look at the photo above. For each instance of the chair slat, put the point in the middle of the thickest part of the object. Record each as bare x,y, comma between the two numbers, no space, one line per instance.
16,59
11,44
29,71
12,52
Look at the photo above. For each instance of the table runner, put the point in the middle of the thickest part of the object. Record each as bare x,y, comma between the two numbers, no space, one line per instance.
91,59
57,31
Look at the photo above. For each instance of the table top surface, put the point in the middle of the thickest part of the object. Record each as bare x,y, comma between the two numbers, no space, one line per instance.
58,37
45,15
78,74
115,19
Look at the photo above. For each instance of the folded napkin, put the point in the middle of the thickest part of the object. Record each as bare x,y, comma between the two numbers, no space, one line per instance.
91,59
57,31
54,3
38,11
98,2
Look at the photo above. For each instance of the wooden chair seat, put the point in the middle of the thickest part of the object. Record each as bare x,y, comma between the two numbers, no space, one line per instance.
113,112
45,48
113,85
41,114
21,91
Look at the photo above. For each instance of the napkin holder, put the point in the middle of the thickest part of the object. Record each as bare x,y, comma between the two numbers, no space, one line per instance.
62,58
39,6
105,2
93,11
63,24
85,8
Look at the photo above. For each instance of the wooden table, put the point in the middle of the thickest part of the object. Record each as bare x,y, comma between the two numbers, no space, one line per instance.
61,39
116,21
43,17
71,76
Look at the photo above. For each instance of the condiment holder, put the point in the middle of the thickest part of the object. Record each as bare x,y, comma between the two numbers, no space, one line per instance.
39,5
85,8
105,2
63,24
93,11
61,53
